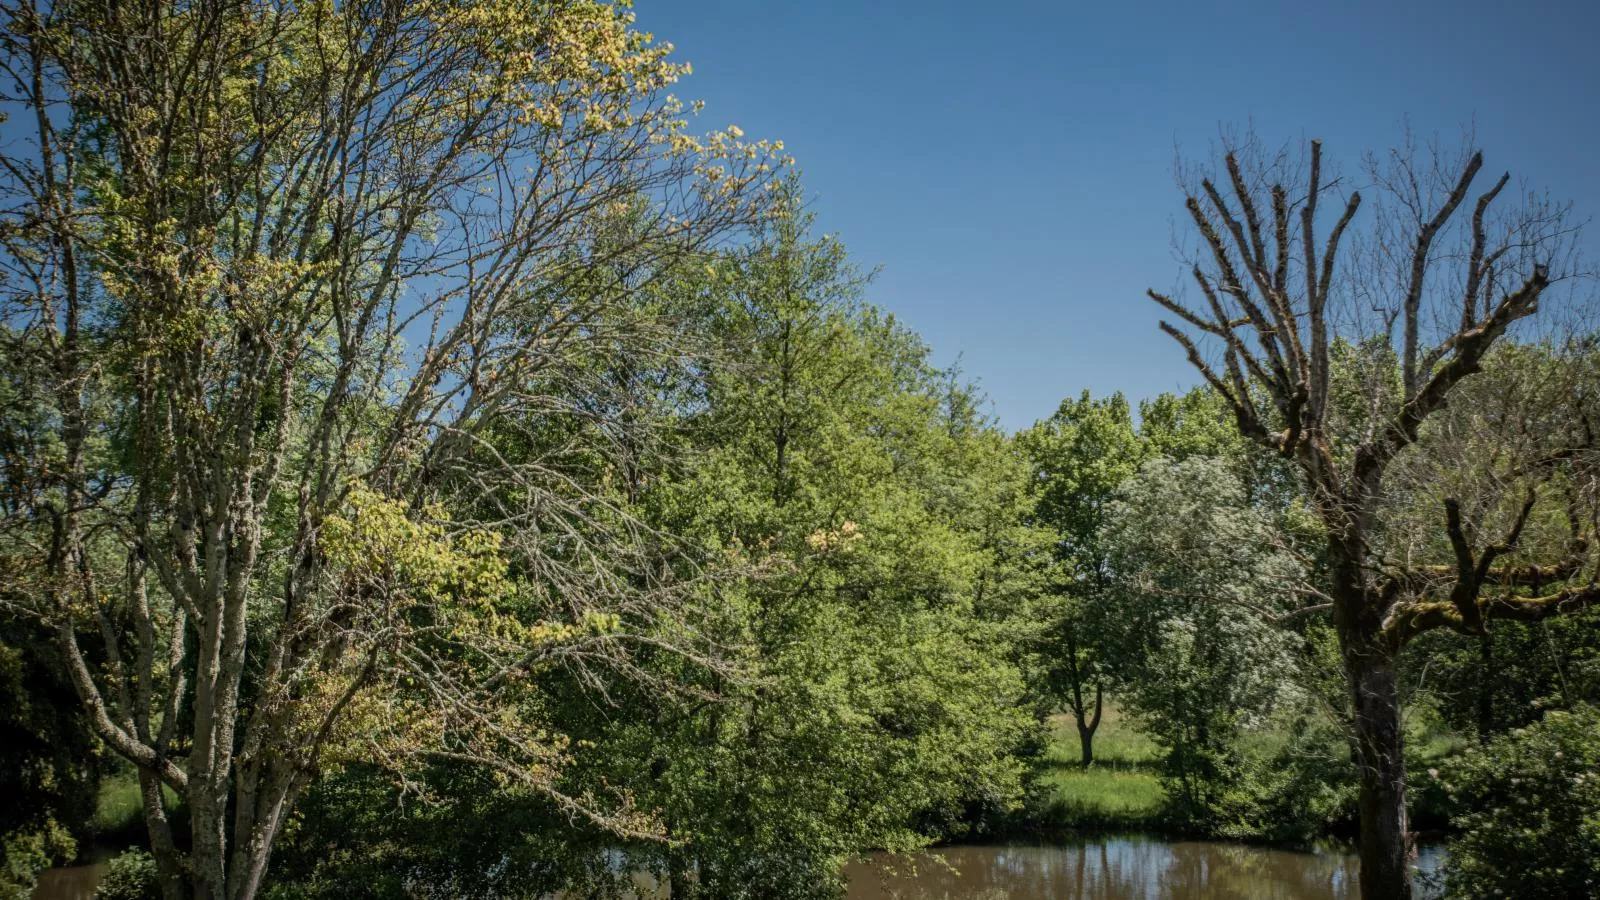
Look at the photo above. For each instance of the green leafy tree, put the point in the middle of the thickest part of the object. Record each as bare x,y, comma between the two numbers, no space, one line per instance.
1194,423
274,272
1203,581
882,706
1080,456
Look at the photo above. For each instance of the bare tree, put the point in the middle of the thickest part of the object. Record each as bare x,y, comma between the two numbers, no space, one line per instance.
276,276
1340,339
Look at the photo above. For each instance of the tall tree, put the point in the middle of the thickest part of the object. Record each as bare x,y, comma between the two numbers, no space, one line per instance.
884,701
1418,293
274,270
1081,456
1190,552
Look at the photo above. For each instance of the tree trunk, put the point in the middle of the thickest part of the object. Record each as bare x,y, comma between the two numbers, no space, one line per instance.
253,843
169,865
206,856
1088,725
1080,711
1380,751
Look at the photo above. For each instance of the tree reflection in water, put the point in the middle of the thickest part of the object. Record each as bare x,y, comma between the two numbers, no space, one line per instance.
1112,869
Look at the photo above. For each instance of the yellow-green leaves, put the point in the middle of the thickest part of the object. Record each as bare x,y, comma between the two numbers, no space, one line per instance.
377,544
384,552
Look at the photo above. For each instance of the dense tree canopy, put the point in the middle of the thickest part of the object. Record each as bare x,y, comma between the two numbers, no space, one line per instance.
278,281
432,466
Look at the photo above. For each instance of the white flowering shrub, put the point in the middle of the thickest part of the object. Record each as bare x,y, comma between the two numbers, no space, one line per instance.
1527,810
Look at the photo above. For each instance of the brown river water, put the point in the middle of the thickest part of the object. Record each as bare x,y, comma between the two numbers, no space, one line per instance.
1131,868
70,883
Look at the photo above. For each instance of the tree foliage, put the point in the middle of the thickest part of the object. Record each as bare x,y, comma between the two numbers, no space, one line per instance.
884,702
270,268
1080,456
1202,574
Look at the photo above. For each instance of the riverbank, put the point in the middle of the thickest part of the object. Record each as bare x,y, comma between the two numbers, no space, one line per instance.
1098,831
1111,868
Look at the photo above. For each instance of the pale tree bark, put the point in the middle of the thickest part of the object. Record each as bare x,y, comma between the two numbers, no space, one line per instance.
1282,293
260,259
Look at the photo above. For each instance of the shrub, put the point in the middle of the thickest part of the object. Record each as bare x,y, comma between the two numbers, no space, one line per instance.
1307,789
24,852
130,876
1527,810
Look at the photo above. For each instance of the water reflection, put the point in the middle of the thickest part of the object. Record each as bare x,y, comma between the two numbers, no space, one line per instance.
1133,868
1115,869
70,883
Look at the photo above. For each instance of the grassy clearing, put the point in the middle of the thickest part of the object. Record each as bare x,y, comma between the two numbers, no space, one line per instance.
1120,791
1102,798
1118,743
117,808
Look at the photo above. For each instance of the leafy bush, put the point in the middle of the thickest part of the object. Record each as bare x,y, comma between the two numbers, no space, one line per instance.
131,876
1306,790
1527,807
1537,665
24,852
1297,791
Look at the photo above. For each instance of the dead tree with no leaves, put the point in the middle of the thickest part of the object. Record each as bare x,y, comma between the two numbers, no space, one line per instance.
1425,288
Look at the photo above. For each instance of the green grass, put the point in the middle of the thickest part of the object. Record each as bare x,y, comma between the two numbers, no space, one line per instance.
1102,798
1120,791
1428,738
118,806
1118,743
119,810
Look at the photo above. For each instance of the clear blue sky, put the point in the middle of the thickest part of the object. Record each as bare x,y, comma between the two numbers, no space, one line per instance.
1010,165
